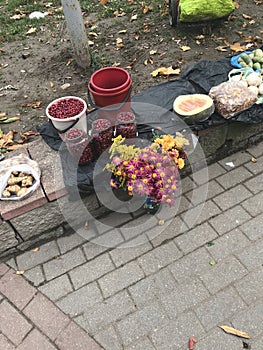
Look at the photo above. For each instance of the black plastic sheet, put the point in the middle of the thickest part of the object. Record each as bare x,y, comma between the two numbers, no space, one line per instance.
197,78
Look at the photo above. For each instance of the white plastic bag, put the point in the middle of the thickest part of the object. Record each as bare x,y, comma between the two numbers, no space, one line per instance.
22,164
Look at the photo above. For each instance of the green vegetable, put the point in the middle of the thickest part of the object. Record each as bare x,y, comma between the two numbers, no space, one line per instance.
256,66
246,58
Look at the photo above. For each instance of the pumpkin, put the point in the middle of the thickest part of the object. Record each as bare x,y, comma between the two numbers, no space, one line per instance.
194,108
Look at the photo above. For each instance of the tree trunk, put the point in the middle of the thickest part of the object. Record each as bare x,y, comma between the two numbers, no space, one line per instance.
77,32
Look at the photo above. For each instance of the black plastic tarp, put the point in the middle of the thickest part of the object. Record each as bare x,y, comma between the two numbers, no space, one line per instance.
197,78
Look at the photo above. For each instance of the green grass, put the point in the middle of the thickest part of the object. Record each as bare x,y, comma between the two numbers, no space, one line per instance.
11,29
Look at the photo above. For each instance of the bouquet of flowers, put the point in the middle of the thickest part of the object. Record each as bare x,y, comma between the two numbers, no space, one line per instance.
151,171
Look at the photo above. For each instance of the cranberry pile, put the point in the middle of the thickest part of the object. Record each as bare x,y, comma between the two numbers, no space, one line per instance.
66,108
102,133
79,146
126,126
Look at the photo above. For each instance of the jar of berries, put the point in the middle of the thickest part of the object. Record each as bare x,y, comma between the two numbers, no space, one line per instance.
102,135
79,146
126,125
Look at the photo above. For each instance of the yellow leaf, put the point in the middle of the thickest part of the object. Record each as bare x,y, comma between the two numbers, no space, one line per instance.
145,62
171,71
237,47
165,71
51,84
153,52
68,62
37,249
31,31
185,48
158,71
20,272
118,41
234,331
253,160
161,222
122,31
91,43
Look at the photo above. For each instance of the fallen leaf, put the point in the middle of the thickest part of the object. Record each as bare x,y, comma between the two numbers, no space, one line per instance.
237,47
65,86
119,14
236,4
103,2
122,31
31,31
253,160
146,9
221,48
10,120
51,84
35,104
37,249
246,16
185,48
199,37
145,62
95,35
161,222
210,244
133,18
153,52
234,331
119,40
2,115
151,60
91,43
18,16
165,71
252,22
20,272
136,36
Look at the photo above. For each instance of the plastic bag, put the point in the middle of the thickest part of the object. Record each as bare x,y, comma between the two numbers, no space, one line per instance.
20,164
203,10
231,98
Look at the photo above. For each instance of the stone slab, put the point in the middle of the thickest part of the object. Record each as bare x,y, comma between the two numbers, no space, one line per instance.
51,170
7,236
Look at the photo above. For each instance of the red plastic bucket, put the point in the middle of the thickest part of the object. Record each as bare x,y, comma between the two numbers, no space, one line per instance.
112,101
110,80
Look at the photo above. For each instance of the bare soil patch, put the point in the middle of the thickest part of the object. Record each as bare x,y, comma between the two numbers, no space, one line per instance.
36,69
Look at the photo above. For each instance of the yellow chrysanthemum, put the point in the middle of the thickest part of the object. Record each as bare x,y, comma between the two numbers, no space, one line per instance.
180,162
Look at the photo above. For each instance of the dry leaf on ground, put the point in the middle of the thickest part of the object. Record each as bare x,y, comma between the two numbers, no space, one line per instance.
234,331
185,48
165,71
237,47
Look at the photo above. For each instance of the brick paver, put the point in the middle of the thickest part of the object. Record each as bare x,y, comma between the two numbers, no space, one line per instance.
156,291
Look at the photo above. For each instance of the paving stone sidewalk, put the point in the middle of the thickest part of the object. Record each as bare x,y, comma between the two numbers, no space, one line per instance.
169,286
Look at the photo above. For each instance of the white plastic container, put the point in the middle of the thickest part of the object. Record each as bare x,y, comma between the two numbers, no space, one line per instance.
62,125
